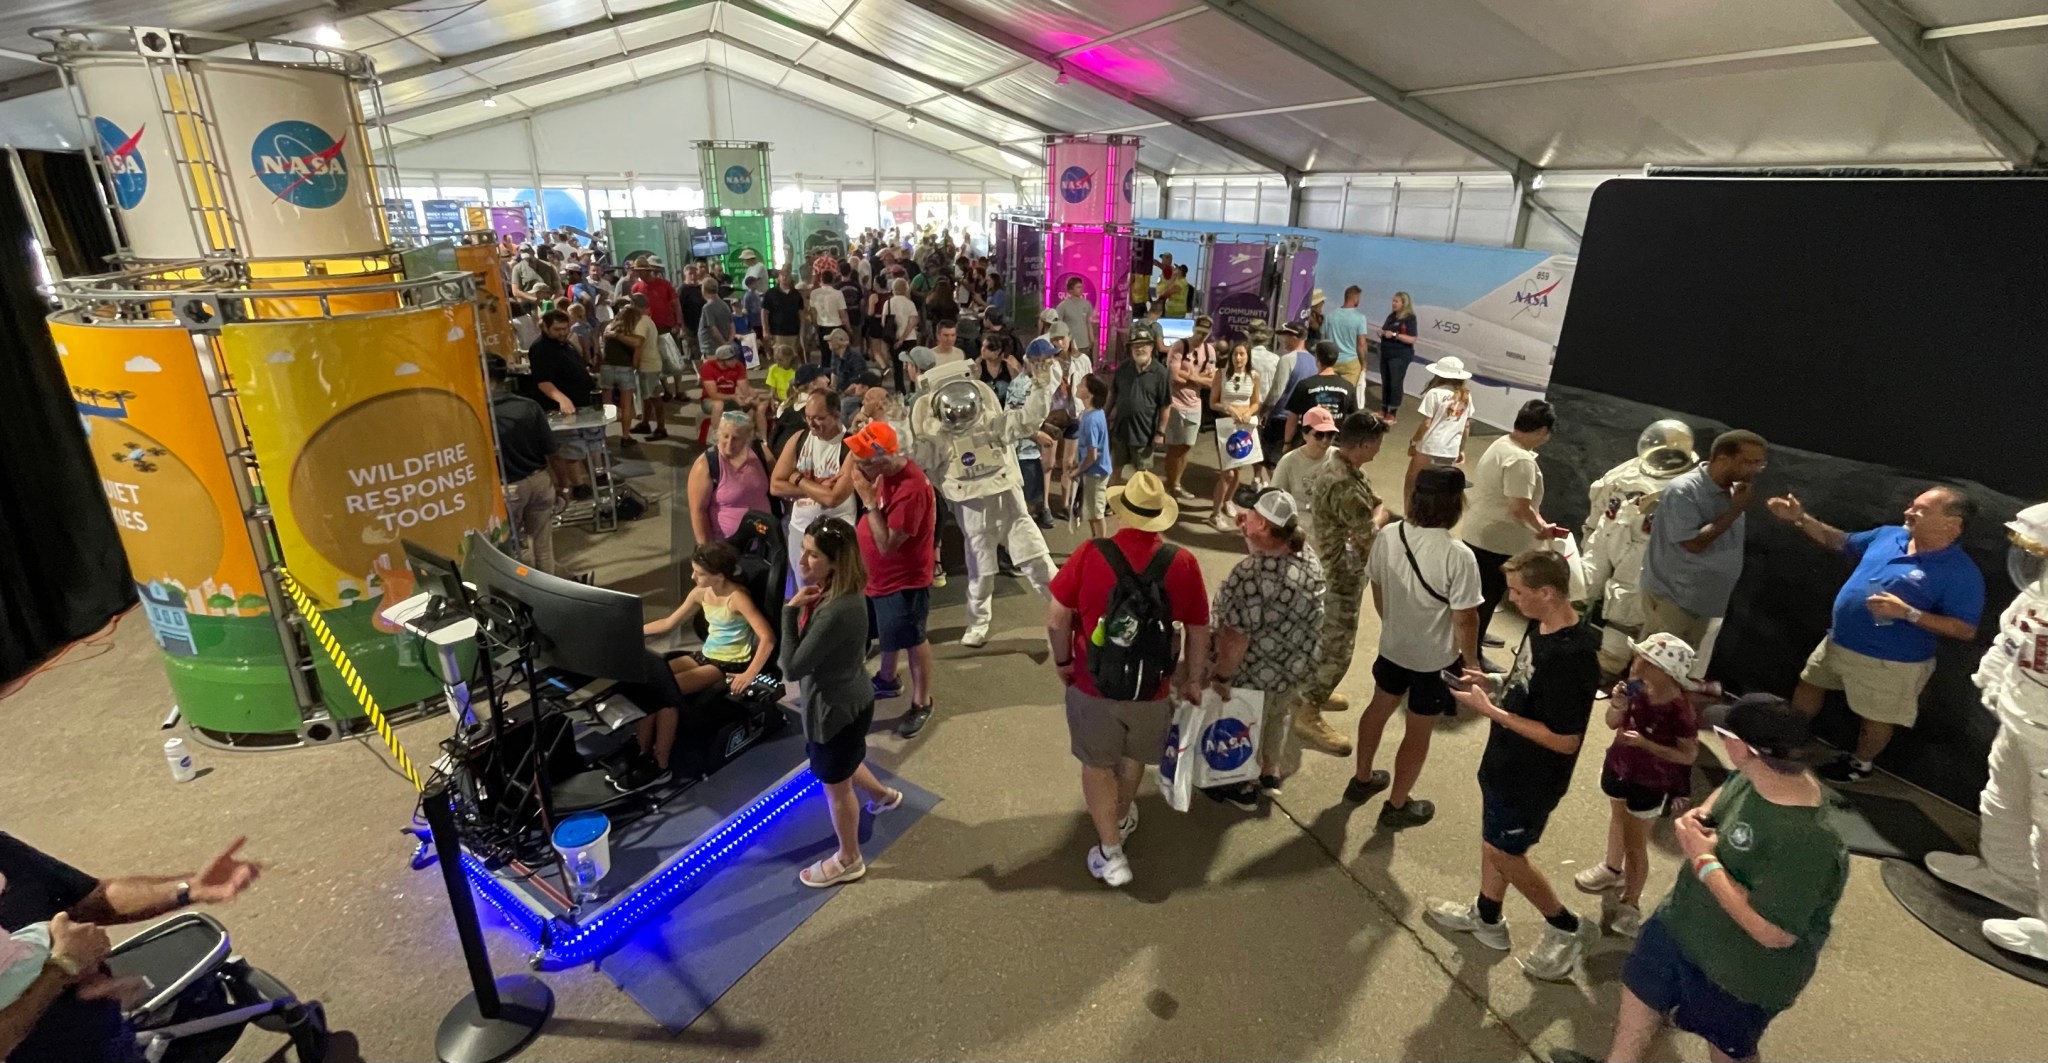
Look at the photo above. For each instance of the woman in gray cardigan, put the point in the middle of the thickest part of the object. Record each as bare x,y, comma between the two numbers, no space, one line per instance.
824,649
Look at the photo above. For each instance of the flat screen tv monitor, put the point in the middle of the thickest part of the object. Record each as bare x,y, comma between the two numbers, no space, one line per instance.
590,631
708,243
1176,328
438,575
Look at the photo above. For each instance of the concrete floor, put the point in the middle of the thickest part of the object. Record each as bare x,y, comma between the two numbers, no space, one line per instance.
1292,933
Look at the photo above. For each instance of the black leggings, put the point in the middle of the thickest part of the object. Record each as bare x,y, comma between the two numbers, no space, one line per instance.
1493,585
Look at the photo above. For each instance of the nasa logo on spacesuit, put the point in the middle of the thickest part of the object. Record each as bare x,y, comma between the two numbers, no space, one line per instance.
967,459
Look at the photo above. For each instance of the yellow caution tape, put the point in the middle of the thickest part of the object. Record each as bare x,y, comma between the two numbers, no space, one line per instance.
356,686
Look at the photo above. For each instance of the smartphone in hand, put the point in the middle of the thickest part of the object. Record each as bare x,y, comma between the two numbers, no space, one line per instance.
1455,679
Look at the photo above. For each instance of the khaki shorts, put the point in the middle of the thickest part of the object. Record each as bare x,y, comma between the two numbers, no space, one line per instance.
1183,428
1661,615
1878,690
1094,497
1131,458
1105,732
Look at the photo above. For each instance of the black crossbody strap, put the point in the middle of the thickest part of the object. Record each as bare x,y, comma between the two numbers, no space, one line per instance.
1410,551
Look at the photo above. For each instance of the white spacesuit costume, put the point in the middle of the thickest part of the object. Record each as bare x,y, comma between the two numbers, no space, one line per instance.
2014,679
967,441
1618,530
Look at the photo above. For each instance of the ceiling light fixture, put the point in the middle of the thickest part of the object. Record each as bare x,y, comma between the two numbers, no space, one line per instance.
913,122
327,36
490,101
1062,79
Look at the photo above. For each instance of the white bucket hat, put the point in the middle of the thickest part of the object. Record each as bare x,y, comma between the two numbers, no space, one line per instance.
1668,652
1452,368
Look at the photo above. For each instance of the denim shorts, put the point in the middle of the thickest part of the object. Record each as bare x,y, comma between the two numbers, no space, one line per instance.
1659,973
900,618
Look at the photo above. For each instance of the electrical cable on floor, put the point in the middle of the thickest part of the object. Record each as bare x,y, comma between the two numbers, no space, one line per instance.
102,639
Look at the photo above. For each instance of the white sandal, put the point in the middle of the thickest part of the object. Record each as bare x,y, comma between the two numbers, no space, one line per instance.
830,872
876,809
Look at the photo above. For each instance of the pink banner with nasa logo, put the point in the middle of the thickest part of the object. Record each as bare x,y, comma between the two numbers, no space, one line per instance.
1081,186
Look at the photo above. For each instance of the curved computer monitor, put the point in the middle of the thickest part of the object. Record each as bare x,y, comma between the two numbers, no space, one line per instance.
590,631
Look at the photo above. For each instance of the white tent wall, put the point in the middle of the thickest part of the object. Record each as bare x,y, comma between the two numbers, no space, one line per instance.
650,129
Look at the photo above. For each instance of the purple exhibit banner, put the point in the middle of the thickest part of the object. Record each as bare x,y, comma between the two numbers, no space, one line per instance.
1237,295
1301,283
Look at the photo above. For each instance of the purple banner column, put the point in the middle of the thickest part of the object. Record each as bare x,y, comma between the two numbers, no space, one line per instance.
1236,295
1301,283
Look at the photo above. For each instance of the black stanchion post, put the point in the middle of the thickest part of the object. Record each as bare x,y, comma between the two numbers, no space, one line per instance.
500,1016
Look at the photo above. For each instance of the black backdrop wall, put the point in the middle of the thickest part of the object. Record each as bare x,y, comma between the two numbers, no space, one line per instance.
62,571
1884,334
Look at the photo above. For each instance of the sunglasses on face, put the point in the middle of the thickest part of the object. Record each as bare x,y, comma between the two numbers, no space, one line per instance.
1325,436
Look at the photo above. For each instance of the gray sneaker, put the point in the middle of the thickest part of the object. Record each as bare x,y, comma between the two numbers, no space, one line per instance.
1557,953
1463,917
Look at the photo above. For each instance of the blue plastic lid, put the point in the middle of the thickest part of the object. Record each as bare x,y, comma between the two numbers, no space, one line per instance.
581,829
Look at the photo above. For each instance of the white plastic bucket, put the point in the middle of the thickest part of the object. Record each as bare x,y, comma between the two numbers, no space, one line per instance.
584,841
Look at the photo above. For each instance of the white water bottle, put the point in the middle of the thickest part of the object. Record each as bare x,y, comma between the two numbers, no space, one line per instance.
181,761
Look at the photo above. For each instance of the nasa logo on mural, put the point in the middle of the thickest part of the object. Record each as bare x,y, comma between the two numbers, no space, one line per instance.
1227,744
300,164
1129,177
738,179
1076,184
131,178
1239,445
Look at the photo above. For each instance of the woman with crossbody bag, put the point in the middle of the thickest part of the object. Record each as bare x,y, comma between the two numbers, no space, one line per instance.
1425,587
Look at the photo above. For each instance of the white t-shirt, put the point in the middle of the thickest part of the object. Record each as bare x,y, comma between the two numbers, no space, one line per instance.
1266,365
827,306
1416,631
648,358
818,460
1507,470
948,356
1295,474
1066,376
1447,416
905,312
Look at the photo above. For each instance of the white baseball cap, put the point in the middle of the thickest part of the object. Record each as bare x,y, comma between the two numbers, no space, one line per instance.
1451,368
1673,655
1277,506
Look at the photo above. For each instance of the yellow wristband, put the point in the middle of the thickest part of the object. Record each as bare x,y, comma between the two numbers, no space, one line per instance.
69,965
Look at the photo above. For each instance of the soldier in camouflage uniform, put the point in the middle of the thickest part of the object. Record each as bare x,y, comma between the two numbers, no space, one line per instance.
1347,515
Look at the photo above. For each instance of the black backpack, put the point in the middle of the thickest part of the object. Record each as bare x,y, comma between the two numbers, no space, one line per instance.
1132,647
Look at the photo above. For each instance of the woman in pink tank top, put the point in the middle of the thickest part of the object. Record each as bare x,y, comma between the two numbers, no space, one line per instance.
716,510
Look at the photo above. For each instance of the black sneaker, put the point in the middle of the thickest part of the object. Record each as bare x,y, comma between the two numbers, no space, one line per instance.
1042,519
1359,793
888,688
1845,768
1243,795
641,429
912,722
1269,785
1413,814
1493,642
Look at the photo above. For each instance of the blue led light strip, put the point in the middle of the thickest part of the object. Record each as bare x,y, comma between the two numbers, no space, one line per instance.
567,943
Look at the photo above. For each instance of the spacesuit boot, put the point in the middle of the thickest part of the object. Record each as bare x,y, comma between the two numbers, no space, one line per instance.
2014,829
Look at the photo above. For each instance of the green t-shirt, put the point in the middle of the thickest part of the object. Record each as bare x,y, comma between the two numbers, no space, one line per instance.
1794,866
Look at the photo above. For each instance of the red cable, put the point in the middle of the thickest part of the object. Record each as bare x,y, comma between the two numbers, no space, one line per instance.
97,638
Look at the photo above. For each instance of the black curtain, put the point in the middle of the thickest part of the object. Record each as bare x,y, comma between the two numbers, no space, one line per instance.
62,571
1883,334
61,185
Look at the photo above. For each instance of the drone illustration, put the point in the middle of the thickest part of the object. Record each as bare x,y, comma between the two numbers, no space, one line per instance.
137,456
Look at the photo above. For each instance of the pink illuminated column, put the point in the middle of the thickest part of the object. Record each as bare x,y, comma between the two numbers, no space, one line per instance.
1090,188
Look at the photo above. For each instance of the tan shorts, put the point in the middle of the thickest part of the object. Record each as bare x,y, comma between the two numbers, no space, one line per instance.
1094,497
1661,615
1105,732
1878,690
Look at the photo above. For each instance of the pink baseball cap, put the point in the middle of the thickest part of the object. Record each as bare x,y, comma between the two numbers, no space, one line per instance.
1318,419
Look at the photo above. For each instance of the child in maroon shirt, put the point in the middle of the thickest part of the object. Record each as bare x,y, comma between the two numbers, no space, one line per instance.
1648,767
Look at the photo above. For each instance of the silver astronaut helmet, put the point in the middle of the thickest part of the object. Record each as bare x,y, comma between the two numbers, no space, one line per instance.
1665,448
2027,560
957,405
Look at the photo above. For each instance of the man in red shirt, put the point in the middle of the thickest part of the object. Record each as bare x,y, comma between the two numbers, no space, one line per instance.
662,305
1114,740
896,545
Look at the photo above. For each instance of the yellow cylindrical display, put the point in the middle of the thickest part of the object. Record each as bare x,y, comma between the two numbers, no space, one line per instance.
494,315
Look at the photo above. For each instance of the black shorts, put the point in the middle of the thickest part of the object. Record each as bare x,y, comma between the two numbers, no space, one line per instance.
1272,440
728,667
1644,802
1511,824
836,758
1659,973
1427,694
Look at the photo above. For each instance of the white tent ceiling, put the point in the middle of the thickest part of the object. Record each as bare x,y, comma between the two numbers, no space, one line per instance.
1233,86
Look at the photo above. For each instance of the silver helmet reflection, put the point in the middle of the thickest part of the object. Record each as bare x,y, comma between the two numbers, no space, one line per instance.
1665,448
958,405
2027,560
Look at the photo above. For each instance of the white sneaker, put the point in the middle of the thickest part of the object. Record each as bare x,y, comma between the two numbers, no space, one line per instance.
1623,920
1556,953
974,639
1463,917
1597,879
1112,870
1973,874
1128,825
2028,937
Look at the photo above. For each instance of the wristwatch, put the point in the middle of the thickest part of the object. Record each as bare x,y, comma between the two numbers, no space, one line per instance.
68,964
1913,615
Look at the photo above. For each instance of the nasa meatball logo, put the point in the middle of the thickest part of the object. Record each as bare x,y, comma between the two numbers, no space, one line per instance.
131,178
738,179
1227,744
1076,184
1239,445
967,459
1129,175
1169,760
300,164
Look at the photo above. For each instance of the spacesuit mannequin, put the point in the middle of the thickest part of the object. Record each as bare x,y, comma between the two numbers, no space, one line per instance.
967,441
2014,679
1618,529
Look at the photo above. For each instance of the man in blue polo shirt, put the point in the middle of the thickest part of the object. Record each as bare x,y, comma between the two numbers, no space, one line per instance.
1912,583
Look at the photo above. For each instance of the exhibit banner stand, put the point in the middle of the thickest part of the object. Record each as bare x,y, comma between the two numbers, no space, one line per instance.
1087,234
737,183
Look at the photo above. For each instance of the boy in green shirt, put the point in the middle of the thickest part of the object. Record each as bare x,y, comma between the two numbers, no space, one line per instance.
1739,935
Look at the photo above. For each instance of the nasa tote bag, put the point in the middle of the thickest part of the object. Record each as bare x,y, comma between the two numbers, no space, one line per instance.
1228,745
1177,760
1237,444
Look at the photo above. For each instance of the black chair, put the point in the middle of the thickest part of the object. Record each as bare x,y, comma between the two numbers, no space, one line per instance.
201,996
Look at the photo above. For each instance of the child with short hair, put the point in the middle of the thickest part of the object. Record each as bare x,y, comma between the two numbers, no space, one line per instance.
1648,769
1091,458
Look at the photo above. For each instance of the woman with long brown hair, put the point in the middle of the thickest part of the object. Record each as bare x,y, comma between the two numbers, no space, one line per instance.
824,651
1237,397
1397,351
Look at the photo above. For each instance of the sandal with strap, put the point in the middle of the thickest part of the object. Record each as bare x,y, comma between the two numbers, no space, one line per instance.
830,872
876,808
